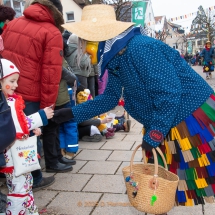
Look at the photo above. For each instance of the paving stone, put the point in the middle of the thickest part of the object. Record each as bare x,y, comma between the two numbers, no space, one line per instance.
137,125
196,210
70,182
93,155
133,137
124,164
125,156
136,144
106,183
135,131
42,163
117,138
74,203
118,145
92,145
113,204
79,164
43,198
46,174
100,167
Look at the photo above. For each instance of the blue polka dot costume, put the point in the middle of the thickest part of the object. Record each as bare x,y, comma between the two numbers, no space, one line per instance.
166,95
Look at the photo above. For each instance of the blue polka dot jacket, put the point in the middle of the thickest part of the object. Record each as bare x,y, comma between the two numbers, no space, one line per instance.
160,88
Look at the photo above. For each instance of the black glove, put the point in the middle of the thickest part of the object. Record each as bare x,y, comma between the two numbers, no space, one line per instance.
62,115
147,146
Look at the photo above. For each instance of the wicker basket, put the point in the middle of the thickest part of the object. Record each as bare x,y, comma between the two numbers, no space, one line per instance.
150,187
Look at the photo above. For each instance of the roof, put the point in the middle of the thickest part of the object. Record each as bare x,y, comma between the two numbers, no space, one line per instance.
174,25
158,18
81,3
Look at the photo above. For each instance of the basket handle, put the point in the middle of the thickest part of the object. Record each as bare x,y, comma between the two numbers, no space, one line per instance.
144,158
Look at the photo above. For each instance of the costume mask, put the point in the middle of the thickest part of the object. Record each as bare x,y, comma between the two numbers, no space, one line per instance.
92,49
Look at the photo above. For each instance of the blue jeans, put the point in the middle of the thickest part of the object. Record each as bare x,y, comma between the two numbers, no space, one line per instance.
30,108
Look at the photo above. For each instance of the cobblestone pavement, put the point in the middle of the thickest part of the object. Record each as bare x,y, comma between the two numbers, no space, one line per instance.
96,185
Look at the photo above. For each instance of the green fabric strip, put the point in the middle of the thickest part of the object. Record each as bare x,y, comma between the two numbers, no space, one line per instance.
191,174
208,111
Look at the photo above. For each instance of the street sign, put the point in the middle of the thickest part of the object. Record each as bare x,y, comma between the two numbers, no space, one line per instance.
138,12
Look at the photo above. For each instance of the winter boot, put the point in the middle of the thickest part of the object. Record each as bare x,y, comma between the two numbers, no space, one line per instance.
109,135
127,125
111,130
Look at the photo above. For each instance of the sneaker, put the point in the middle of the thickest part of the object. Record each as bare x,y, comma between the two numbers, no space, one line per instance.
207,77
46,182
109,135
210,75
127,125
94,138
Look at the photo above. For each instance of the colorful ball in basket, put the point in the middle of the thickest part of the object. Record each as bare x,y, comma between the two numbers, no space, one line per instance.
151,188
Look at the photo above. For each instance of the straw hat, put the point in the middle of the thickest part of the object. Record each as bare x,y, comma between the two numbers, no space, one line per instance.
98,23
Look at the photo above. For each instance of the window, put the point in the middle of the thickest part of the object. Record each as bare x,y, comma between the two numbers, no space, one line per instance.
70,16
7,3
17,8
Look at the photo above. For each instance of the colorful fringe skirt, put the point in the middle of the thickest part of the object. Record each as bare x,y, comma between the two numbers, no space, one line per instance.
190,153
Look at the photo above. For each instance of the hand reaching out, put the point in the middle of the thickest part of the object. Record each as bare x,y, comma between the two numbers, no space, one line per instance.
49,112
37,131
106,120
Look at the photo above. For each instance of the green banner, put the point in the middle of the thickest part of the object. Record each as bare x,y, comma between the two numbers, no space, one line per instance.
138,12
190,47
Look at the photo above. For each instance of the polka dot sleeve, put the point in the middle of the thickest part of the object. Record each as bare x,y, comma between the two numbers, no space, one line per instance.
102,103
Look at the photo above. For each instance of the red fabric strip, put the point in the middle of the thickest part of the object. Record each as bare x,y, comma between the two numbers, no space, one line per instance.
18,195
193,194
189,194
213,97
7,169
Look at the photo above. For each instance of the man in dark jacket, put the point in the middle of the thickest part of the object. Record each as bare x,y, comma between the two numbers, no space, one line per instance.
34,44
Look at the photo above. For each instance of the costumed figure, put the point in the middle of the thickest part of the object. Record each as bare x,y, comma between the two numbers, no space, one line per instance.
208,62
161,91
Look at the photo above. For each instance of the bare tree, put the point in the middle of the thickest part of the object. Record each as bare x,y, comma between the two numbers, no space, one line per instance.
204,24
123,8
162,34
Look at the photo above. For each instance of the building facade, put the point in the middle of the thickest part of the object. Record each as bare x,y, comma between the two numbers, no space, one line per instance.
72,10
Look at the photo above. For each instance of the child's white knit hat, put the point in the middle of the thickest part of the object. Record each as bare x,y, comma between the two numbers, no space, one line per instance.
7,68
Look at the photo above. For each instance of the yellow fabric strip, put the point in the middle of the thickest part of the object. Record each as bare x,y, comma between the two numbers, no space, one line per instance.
201,183
189,202
205,160
168,153
201,164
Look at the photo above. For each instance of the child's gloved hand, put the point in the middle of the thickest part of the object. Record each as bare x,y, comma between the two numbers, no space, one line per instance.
37,131
49,112
106,120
